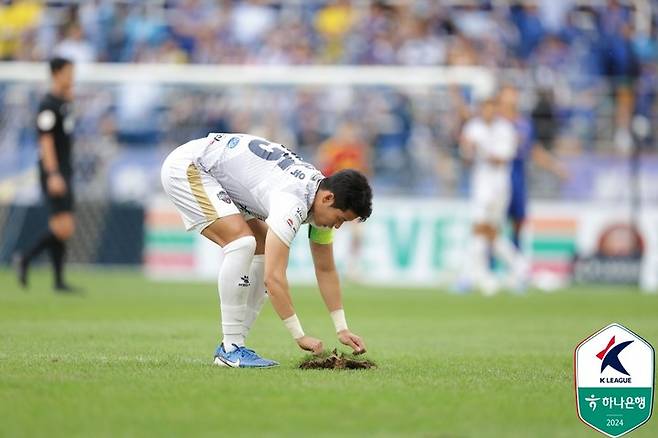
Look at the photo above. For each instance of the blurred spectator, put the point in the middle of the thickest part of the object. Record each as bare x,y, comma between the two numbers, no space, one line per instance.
619,63
75,47
18,19
529,26
572,48
250,21
346,150
333,22
544,119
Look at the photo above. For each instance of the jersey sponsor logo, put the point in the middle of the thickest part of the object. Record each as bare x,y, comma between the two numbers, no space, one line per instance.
233,142
223,196
217,137
298,174
245,210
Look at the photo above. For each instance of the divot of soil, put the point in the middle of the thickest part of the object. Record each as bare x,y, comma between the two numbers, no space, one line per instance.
336,362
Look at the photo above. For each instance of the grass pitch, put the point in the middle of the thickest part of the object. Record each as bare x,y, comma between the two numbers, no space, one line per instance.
133,358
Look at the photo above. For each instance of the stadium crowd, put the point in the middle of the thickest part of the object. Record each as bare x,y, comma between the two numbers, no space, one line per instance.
592,66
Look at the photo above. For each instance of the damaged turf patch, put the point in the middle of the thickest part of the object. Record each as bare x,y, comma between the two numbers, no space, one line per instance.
334,361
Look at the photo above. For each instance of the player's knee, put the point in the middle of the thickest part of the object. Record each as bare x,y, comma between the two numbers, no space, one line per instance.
259,228
62,227
246,244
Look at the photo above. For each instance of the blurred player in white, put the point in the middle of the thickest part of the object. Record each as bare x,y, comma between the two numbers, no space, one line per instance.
251,196
490,143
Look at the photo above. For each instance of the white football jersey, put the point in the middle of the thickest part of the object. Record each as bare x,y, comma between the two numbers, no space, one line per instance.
490,183
494,140
264,179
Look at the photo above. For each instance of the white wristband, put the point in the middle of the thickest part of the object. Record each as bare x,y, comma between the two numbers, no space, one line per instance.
338,316
294,327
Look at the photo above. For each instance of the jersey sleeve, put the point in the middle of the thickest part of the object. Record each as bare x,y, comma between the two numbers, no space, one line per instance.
321,235
285,216
46,119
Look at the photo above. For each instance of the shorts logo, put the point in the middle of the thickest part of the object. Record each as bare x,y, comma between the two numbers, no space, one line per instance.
614,372
244,281
223,196
233,142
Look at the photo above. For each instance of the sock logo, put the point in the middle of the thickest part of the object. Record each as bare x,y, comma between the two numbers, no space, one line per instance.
244,281
611,359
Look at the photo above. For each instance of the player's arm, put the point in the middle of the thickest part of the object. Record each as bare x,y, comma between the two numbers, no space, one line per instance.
467,148
547,161
276,282
55,182
467,142
329,284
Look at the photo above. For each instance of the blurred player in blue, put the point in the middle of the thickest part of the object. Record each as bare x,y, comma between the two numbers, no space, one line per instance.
529,146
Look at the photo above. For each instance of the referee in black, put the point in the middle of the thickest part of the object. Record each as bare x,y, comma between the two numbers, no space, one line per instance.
55,125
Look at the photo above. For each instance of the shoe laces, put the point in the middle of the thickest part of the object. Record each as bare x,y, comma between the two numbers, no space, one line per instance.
248,353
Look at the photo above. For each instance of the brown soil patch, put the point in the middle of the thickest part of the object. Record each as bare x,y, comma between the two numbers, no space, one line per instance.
336,362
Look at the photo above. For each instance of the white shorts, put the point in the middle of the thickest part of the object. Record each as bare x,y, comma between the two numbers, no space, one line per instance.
489,210
490,199
199,198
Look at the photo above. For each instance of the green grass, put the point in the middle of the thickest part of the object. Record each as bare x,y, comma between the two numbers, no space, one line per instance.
132,358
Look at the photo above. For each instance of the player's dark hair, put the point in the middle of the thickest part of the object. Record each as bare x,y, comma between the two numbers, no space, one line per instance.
57,63
351,192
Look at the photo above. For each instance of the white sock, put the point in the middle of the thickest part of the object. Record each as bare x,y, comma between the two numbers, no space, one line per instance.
507,252
479,269
257,293
233,282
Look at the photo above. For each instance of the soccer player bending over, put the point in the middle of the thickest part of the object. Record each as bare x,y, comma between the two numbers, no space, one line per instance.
251,196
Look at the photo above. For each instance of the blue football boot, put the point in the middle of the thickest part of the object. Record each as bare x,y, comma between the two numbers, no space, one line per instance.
241,357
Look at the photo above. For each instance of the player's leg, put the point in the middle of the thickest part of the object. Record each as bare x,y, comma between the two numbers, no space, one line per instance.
257,292
205,206
516,211
484,235
238,243
62,226
505,250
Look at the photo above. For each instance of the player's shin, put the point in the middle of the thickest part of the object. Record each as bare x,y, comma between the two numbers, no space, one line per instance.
257,294
234,285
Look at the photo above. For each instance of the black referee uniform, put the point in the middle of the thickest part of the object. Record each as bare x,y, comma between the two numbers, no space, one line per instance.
56,117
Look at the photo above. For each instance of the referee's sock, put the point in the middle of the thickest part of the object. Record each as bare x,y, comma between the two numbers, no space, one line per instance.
57,253
46,241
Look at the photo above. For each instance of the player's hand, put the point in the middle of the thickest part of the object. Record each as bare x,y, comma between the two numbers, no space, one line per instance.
56,184
348,338
311,344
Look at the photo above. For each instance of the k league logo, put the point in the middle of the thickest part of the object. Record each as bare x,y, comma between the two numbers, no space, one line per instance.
614,378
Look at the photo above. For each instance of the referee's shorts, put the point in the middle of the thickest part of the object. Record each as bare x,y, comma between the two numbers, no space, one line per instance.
57,204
